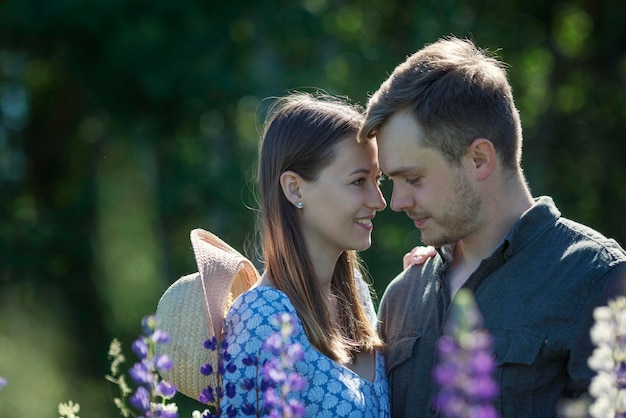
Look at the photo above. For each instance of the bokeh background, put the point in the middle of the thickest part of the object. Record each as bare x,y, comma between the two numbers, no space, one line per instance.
126,123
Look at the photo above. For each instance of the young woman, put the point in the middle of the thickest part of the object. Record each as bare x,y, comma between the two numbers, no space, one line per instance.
319,194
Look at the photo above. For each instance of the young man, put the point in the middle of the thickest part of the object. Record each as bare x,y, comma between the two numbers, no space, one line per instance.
449,137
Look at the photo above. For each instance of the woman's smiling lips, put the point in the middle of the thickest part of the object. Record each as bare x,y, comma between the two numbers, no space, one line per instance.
365,222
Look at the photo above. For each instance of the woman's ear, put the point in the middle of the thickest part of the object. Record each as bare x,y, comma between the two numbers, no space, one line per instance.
290,182
483,156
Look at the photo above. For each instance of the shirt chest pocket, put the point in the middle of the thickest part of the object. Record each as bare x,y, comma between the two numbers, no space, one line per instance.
516,353
399,351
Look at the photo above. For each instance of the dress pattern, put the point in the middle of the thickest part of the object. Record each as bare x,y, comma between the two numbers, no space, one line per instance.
332,390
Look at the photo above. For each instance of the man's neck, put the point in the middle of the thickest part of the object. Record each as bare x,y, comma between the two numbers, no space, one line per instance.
498,217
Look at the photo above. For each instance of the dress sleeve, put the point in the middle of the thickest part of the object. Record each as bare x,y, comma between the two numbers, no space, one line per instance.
247,326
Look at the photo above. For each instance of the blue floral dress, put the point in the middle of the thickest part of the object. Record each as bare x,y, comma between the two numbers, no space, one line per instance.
332,390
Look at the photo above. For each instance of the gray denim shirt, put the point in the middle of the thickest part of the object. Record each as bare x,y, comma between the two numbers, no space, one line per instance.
536,294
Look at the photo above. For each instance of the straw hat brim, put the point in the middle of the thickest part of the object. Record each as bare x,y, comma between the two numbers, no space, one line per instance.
192,309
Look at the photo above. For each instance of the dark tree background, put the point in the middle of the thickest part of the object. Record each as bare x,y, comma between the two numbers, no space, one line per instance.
125,124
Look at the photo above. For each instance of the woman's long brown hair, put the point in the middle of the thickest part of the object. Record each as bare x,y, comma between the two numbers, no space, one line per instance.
301,133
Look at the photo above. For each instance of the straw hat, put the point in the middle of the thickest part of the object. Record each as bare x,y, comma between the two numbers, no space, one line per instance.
192,309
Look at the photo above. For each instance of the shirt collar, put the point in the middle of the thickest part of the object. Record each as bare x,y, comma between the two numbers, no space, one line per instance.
446,253
542,215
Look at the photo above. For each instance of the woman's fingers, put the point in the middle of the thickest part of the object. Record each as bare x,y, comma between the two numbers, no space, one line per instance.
418,255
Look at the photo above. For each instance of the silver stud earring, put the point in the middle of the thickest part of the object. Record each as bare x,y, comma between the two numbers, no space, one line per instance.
299,204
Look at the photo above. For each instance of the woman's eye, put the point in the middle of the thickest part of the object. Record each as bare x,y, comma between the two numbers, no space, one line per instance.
413,180
358,182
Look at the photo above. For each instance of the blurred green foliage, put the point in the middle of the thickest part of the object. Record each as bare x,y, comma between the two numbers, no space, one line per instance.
125,124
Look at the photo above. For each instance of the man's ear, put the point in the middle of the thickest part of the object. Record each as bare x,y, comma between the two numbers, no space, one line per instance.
290,182
483,156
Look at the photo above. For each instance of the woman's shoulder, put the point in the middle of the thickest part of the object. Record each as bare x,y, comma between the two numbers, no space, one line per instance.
264,299
251,318
257,307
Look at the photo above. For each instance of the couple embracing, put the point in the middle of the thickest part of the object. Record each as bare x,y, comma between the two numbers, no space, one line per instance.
445,130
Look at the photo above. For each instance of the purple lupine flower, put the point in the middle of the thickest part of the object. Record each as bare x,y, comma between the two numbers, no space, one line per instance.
206,369
141,399
275,413
296,382
207,396
140,348
273,371
274,380
226,357
160,337
3,382
295,353
213,395
163,363
282,383
466,364
141,373
217,414
295,408
145,373
149,324
273,344
272,399
287,324
165,389
211,343
482,363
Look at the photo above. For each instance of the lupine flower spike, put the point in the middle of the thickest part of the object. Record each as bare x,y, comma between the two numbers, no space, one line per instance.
278,371
213,396
464,373
608,360
275,383
150,398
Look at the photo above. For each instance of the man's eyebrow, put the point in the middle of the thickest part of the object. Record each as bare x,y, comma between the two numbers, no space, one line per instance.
401,171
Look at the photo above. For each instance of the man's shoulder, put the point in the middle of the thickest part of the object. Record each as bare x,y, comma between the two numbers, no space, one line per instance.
584,239
408,281
406,278
544,225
